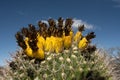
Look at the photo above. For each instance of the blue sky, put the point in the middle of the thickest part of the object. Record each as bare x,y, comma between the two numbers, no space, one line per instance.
103,15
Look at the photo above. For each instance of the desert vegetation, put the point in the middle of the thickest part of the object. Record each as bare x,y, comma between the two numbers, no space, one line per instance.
54,51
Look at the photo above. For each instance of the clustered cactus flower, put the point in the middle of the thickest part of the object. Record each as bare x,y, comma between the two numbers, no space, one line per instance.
53,38
56,53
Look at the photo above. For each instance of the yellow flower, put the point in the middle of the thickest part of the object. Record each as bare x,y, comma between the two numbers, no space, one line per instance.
77,36
41,42
53,43
47,44
58,45
50,44
83,43
28,50
39,54
71,34
67,42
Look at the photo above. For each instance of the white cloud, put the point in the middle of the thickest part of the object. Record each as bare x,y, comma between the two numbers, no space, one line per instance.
117,3
117,6
45,21
78,22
